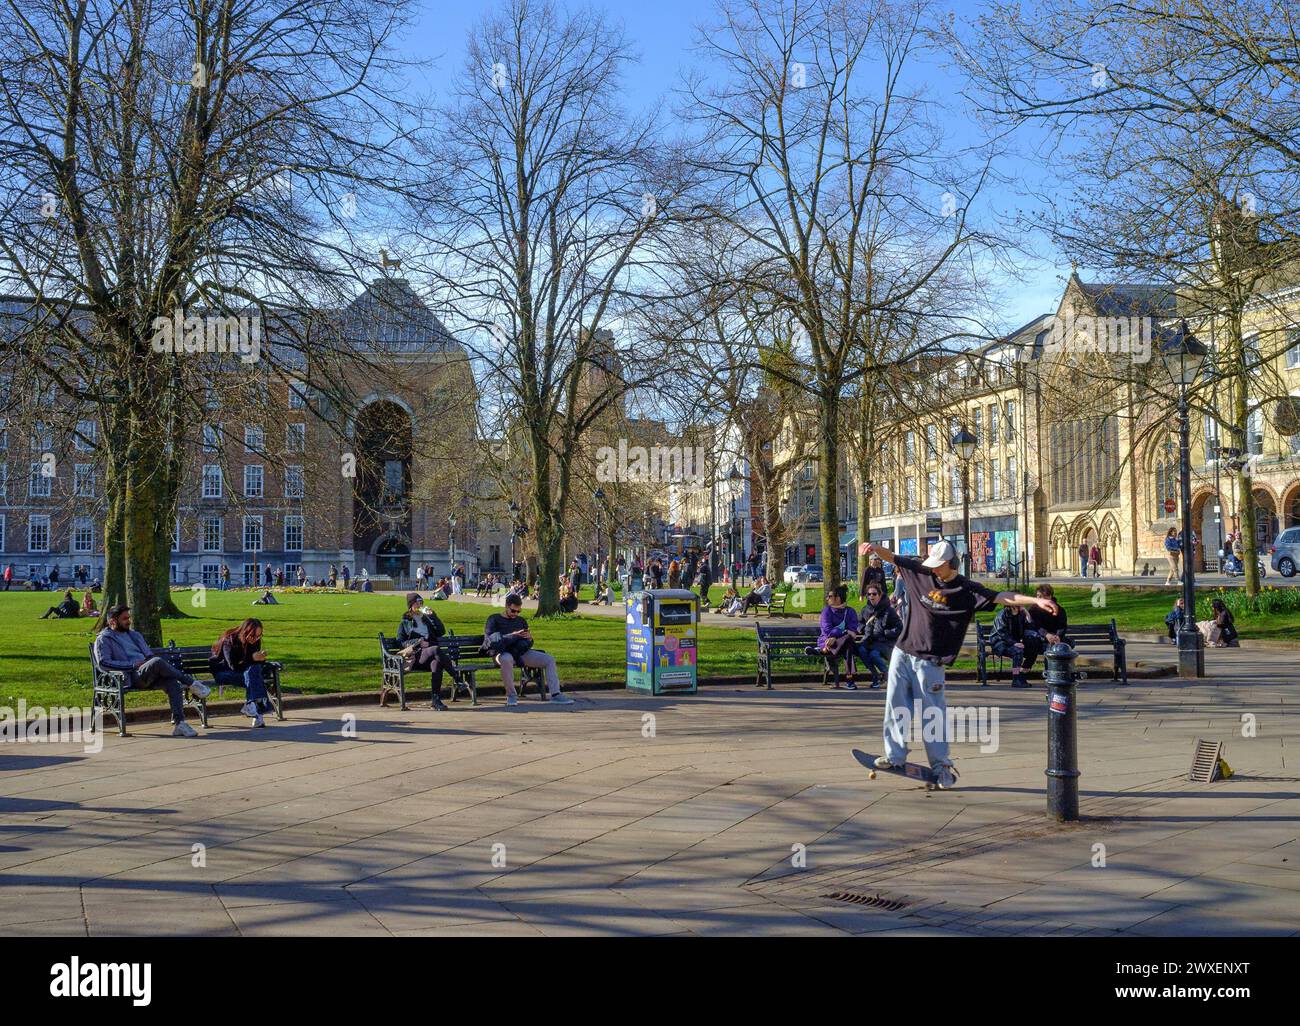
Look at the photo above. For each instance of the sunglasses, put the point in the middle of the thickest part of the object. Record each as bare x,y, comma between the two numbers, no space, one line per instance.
875,593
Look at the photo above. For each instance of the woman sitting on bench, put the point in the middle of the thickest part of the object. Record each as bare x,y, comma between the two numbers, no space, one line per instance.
1014,639
237,659
417,637
839,625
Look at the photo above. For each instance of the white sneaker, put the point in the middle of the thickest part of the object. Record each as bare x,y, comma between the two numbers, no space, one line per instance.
250,710
200,690
882,762
560,698
183,729
512,699
258,721
946,777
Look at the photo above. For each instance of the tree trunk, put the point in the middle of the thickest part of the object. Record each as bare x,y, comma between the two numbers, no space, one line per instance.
141,544
548,532
114,582
828,485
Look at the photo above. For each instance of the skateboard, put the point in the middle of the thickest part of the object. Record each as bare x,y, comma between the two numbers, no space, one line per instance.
910,769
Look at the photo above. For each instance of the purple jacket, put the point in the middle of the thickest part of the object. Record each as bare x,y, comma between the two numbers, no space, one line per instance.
836,622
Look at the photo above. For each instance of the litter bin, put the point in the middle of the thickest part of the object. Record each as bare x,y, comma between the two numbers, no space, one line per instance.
662,627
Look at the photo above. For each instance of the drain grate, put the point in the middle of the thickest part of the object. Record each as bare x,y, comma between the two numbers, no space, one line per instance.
869,900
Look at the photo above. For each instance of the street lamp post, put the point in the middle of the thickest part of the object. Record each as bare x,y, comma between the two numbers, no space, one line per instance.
734,480
514,533
963,445
1183,355
599,496
451,544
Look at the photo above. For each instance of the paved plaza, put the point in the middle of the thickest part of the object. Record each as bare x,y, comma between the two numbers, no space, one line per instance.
732,811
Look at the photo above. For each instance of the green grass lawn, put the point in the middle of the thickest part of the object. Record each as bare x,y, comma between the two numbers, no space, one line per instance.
327,641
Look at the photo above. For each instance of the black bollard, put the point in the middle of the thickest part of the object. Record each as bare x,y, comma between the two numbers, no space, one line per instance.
1062,751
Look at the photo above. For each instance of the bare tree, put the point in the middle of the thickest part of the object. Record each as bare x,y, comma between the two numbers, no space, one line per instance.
554,199
205,161
834,170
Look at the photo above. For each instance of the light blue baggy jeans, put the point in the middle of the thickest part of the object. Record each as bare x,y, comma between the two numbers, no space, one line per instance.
912,680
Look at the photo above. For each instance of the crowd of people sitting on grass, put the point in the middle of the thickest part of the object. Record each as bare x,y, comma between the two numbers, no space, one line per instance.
1219,630
69,608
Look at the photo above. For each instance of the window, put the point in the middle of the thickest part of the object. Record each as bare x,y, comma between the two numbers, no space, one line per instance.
211,574
993,425
253,481
83,440
909,447
38,533
83,480
291,573
254,439
1009,422
4,480
252,534
250,574
210,534
1255,434
297,395
293,483
885,501
4,435
911,493
211,438
176,535
1211,436
38,484
1293,351
211,481
995,482
213,400
976,420
1253,355
295,437
1013,478
42,436
292,535
932,489
932,440
2,532
979,482
83,535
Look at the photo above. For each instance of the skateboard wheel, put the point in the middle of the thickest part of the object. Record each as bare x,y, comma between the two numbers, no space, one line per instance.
871,775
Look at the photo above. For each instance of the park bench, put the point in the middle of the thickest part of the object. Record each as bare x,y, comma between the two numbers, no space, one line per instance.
786,642
776,607
194,660
467,658
1091,635
109,688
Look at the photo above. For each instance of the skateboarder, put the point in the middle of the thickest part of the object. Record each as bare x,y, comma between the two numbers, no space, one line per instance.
942,603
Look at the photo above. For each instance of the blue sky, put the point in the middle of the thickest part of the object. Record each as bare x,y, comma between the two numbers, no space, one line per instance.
663,32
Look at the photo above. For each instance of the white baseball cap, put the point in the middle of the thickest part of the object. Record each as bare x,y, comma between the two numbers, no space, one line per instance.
940,554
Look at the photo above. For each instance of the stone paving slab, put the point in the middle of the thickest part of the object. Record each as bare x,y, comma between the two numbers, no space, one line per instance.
740,817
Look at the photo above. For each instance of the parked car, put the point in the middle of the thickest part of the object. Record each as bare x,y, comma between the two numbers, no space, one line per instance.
1284,553
791,574
809,573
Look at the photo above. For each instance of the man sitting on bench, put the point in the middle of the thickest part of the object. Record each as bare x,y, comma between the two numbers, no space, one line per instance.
1051,621
119,648
761,595
510,641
